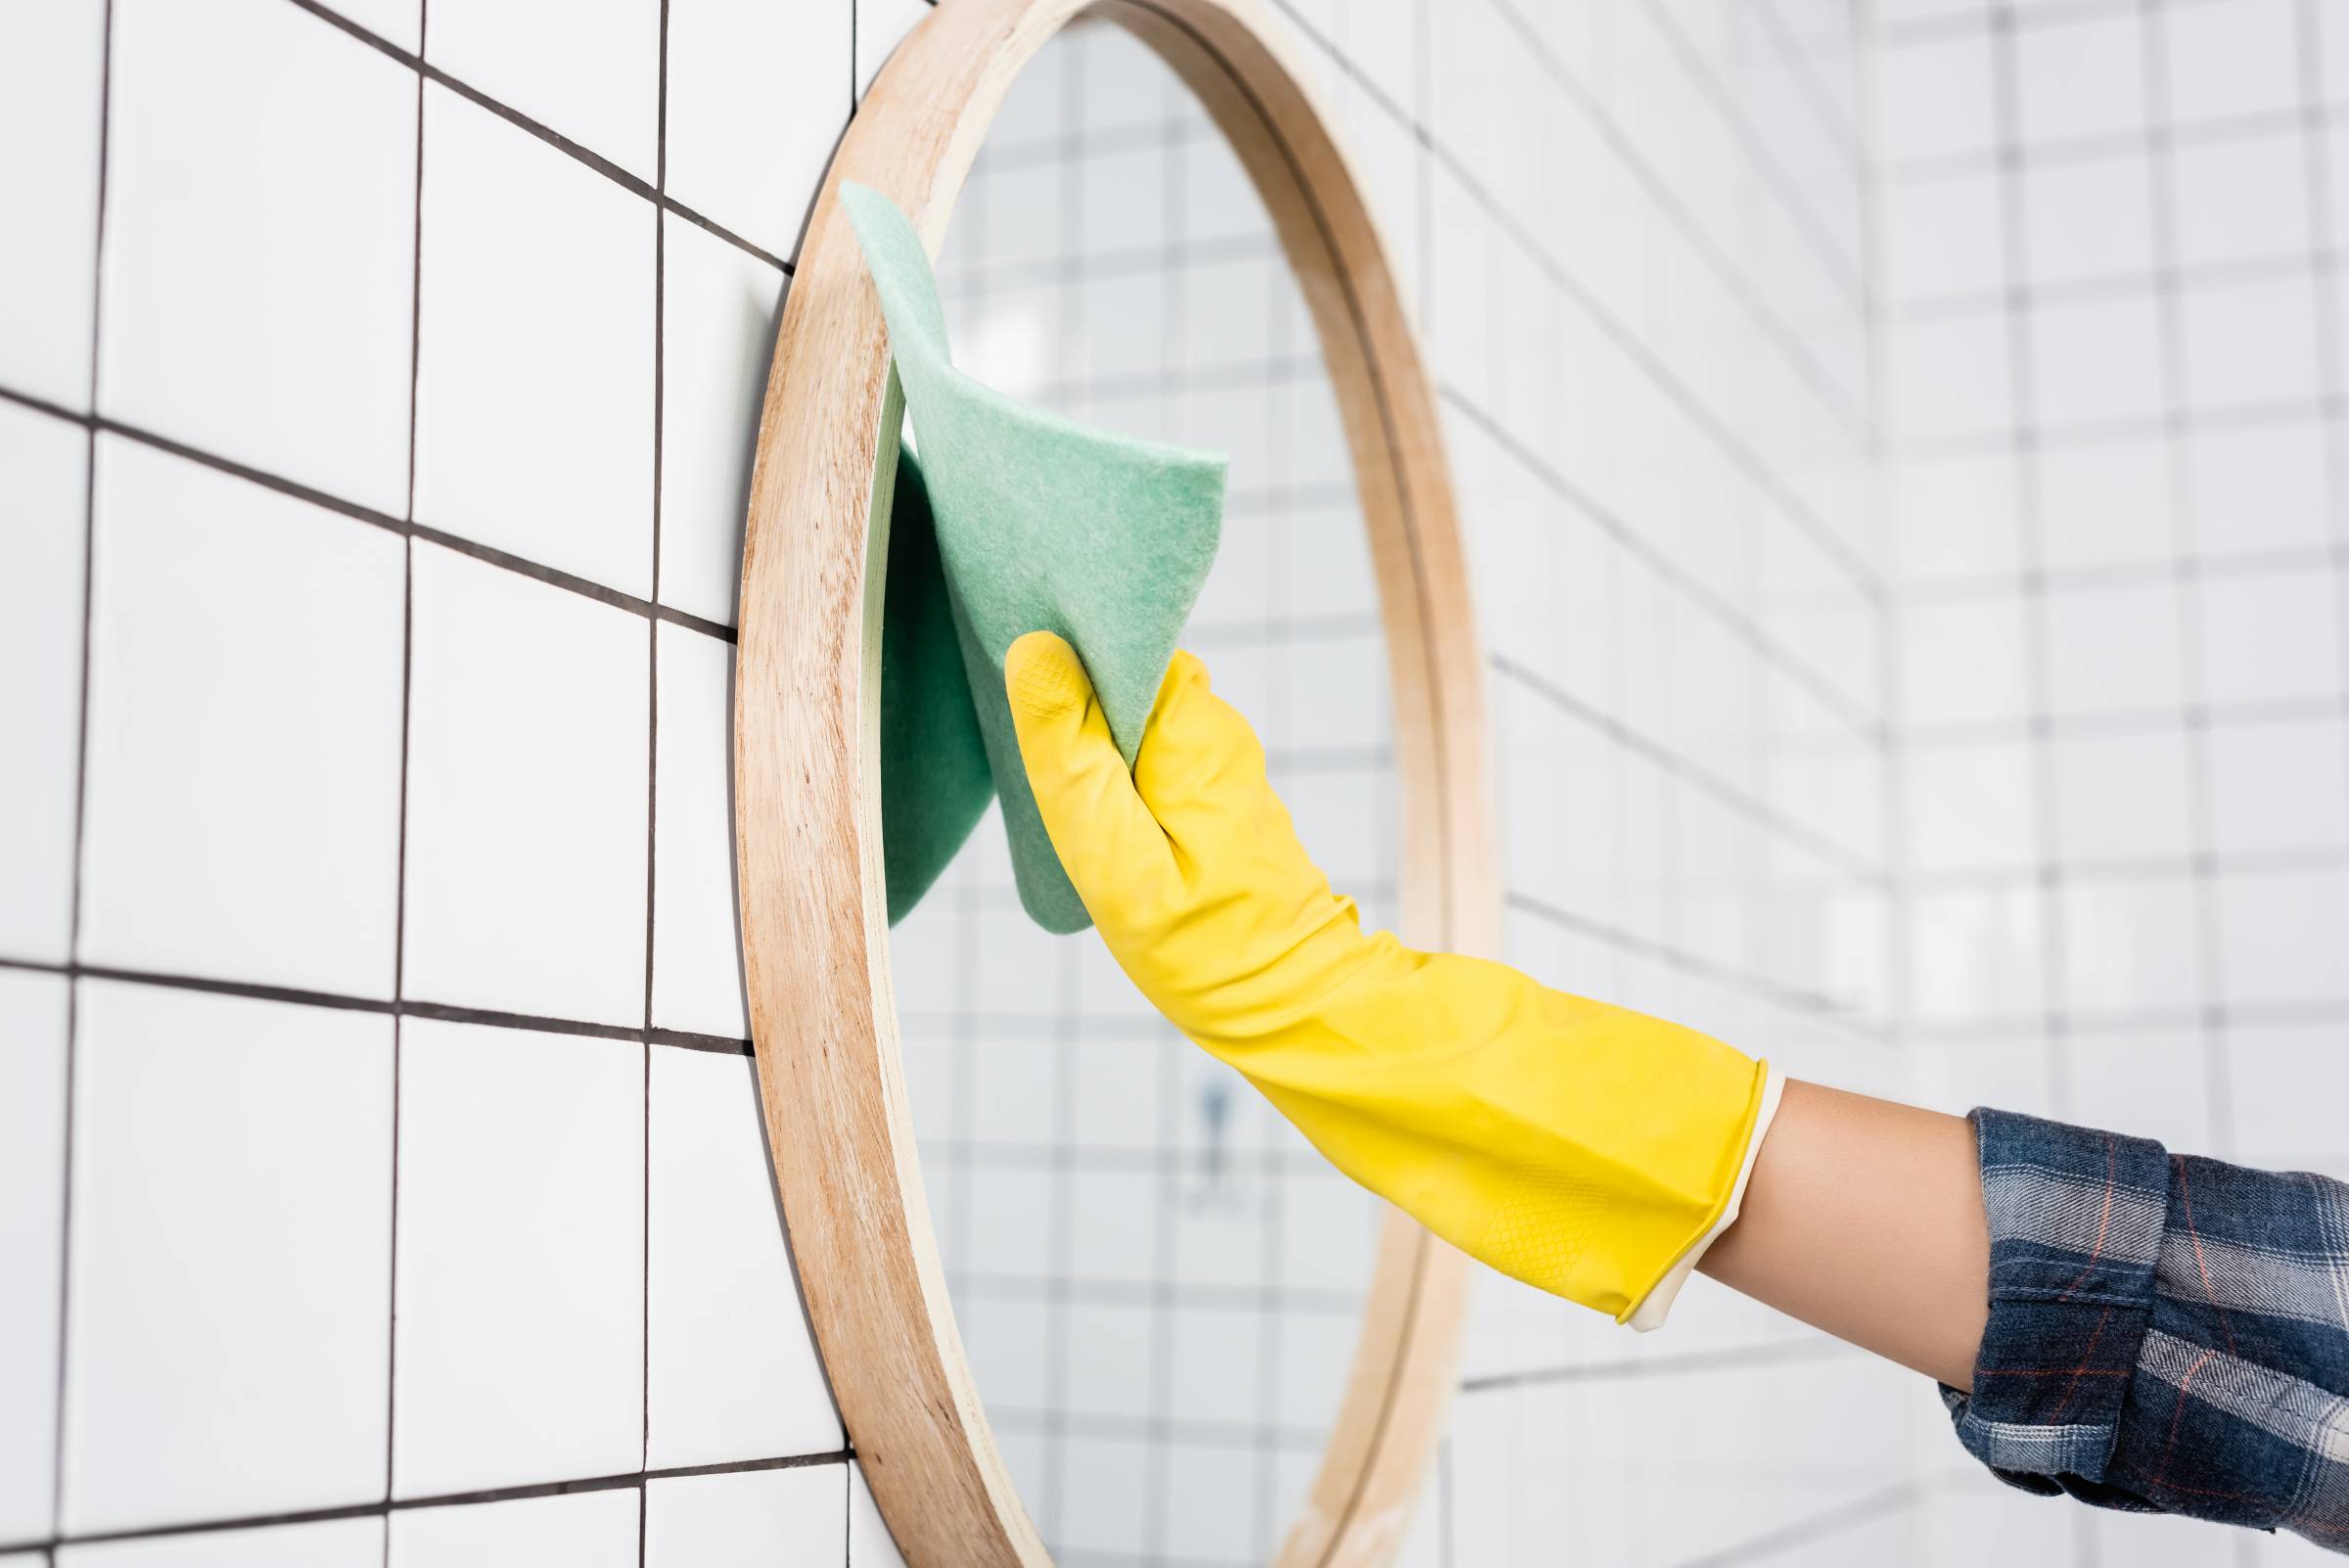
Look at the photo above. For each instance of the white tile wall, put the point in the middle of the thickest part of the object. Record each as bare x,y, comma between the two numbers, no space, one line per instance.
520,1354
231,1258
526,796
535,350
747,1519
732,1366
758,94
274,855
589,1528
2143,921
33,1172
260,192
351,755
329,1544
52,65
44,494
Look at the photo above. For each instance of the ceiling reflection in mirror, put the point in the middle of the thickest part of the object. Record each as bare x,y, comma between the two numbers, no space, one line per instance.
1157,1280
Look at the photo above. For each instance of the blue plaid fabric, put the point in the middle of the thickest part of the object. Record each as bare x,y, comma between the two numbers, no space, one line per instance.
2167,1335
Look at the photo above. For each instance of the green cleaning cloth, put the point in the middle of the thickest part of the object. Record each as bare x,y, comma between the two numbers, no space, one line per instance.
1013,520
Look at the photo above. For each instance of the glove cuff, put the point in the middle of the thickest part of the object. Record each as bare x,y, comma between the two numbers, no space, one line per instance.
1647,1315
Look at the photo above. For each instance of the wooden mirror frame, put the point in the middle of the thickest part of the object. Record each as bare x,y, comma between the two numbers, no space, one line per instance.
815,920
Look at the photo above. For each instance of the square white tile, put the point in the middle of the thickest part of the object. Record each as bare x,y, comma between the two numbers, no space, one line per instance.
521,1310
527,795
1945,235
1951,378
1105,1483
2081,79
870,1545
579,1530
227,1353
2282,935
2273,637
2242,199
242,799
2280,786
750,1519
2251,342
2114,648
1936,97
2260,489
881,24
260,242
2105,503
2090,218
734,1373
697,948
757,94
587,69
2098,360
33,1172
2132,945
44,479
2242,58
535,371
1966,662
2123,797
720,305
52,70
327,1543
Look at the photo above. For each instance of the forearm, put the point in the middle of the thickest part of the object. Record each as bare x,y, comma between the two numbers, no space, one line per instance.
1864,1219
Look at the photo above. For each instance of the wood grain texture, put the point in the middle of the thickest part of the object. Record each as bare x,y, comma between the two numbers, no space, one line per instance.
815,935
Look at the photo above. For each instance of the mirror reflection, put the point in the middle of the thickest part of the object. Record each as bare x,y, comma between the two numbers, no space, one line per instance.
1157,1280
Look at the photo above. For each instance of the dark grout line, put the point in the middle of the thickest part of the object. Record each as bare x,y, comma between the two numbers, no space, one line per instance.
553,576
81,775
634,184
390,1007
635,1479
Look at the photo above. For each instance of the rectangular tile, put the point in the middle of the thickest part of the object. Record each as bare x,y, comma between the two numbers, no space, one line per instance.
227,1349
529,729
734,1373
719,307
535,370
245,670
697,947
587,69
749,1519
260,242
521,1312
52,74
580,1530
33,1172
757,95
44,491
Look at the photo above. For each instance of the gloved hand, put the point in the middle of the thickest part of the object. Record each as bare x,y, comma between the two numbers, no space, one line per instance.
1584,1149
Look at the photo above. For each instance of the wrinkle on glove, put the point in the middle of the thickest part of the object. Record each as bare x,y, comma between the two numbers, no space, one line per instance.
1014,520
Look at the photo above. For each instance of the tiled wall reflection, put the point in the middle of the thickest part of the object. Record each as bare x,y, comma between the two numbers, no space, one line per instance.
2112,280
1157,1280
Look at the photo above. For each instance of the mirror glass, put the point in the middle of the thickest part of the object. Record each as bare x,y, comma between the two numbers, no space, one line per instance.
1157,1280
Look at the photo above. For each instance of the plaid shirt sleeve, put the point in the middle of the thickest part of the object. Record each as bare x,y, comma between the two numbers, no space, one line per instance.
2167,1335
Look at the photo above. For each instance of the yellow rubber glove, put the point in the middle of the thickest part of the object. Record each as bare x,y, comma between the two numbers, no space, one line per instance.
1582,1148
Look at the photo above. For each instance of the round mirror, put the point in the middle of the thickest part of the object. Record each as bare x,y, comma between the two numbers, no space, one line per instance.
1159,1284
1082,1296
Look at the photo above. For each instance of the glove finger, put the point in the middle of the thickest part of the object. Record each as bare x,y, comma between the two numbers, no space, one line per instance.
1114,850
1201,770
